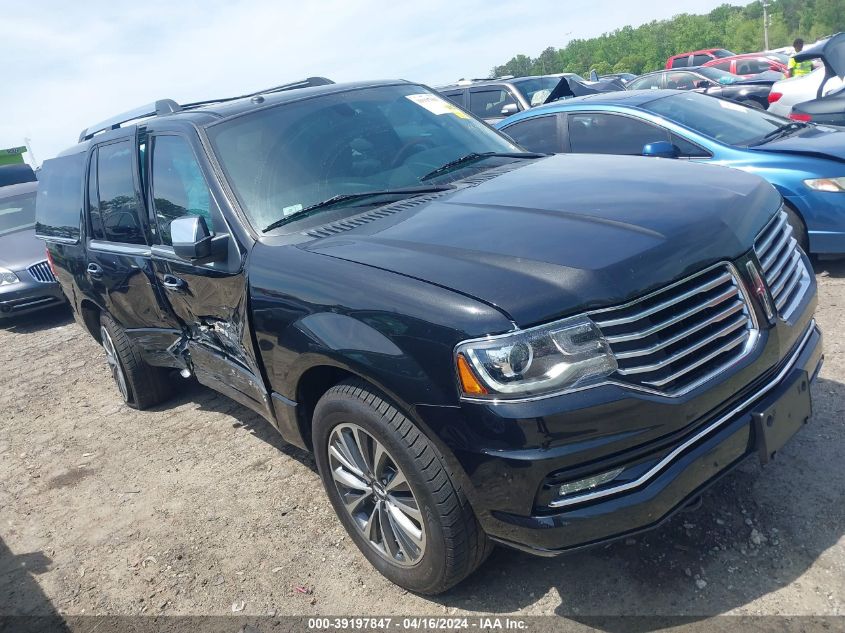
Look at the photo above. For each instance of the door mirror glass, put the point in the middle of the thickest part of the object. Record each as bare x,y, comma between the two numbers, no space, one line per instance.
510,109
661,149
191,238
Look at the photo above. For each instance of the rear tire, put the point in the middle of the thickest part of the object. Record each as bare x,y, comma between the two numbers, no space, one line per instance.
363,445
140,385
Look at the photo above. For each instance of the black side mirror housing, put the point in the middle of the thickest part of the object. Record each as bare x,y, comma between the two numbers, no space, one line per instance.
661,149
193,241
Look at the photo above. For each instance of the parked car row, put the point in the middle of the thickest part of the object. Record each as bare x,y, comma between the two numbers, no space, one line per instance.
480,343
26,282
802,161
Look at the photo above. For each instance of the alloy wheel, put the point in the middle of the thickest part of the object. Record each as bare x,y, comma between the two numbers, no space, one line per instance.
376,494
114,363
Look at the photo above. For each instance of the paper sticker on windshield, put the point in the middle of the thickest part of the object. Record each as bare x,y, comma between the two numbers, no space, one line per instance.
436,105
292,210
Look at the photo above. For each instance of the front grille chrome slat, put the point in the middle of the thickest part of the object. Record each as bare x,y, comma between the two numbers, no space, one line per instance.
682,336
41,272
710,285
684,352
782,265
646,351
724,348
662,325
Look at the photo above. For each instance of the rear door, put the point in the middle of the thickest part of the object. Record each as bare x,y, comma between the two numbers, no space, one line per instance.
210,300
118,269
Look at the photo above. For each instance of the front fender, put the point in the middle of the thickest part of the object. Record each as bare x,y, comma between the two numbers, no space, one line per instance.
356,346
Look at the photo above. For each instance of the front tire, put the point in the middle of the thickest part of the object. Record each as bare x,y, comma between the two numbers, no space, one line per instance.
799,230
391,489
140,385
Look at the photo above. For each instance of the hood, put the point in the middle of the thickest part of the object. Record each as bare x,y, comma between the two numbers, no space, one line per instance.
21,249
566,233
818,141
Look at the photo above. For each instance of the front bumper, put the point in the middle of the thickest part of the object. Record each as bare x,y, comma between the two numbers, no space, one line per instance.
28,295
661,476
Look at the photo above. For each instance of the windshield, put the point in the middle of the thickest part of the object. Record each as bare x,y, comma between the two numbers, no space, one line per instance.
537,89
721,120
721,52
17,212
719,76
284,159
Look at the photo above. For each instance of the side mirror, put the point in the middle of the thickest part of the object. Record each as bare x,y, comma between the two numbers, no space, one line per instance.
661,149
510,109
775,68
594,76
191,238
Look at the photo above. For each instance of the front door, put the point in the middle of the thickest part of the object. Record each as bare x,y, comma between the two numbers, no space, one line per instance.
210,300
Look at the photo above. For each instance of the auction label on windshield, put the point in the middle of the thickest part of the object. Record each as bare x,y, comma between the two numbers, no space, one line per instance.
436,105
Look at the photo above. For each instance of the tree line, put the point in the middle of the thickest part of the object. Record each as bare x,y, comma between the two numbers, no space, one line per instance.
647,47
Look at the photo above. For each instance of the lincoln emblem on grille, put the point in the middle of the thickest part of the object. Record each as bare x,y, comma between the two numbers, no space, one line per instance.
759,289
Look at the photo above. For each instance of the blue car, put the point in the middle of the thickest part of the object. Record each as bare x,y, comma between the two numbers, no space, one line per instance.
805,162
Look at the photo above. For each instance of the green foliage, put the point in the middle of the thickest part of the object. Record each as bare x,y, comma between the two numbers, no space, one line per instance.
647,47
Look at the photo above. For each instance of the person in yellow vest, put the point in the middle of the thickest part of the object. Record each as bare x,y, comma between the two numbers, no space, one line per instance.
798,69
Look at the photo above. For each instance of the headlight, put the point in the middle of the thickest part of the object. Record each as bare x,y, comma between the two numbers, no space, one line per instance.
561,356
7,277
832,185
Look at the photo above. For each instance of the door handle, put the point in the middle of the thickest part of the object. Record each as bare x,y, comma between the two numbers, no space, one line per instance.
171,282
95,270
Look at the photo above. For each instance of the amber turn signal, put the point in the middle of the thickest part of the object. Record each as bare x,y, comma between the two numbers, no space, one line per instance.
469,383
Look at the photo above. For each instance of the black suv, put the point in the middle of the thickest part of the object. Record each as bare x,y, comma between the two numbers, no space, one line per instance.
480,345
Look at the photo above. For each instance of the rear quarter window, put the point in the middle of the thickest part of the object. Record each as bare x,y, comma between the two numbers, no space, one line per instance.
58,206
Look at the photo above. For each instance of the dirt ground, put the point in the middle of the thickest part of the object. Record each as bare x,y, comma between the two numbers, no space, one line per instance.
198,507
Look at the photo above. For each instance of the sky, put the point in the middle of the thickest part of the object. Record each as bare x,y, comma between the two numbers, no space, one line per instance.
68,65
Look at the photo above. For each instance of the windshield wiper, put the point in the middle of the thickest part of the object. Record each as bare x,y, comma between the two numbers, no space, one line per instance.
474,157
349,197
783,130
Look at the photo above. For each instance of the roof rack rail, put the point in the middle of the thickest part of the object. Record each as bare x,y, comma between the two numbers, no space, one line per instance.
162,106
169,106
308,82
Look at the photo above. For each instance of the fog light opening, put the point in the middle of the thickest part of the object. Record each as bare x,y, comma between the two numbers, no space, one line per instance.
588,483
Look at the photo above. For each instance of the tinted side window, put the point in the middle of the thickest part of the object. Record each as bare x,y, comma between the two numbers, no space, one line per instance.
681,81
680,62
688,149
455,97
179,188
96,222
652,82
698,60
119,206
58,206
537,135
488,104
611,134
726,66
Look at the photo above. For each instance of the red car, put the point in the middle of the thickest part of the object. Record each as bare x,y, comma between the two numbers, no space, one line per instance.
747,65
697,58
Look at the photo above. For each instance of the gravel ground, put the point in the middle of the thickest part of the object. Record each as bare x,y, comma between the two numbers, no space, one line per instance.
198,507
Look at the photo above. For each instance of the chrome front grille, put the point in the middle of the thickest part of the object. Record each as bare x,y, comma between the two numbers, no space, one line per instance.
681,336
783,265
41,272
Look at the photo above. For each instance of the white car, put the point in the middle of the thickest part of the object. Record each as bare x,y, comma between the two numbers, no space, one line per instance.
790,92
